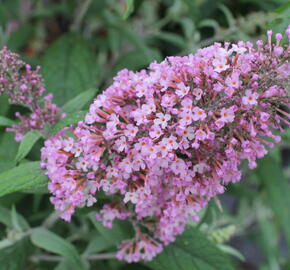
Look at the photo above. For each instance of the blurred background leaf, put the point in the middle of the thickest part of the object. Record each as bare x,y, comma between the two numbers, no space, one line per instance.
68,68
81,45
191,250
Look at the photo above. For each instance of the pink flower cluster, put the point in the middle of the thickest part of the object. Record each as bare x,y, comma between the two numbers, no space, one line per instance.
25,87
161,142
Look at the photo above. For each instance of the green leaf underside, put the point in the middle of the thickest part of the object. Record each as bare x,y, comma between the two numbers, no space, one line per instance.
25,176
53,243
192,250
5,122
5,218
27,143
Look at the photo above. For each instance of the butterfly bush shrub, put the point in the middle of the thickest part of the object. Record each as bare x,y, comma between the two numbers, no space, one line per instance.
161,142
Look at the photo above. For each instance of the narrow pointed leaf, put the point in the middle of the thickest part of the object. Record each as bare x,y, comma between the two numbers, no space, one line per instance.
27,143
129,8
51,242
78,102
5,122
70,119
25,176
6,218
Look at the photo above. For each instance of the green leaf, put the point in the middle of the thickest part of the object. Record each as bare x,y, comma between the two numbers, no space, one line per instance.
5,243
25,176
78,102
118,233
49,10
70,119
129,8
114,40
277,190
231,251
18,38
64,265
53,243
4,122
133,60
4,105
8,147
286,135
193,9
6,218
14,220
284,9
68,68
192,250
228,14
6,165
97,243
187,27
16,256
26,144
222,235
269,236
173,39
209,23
8,150
281,22
209,214
128,34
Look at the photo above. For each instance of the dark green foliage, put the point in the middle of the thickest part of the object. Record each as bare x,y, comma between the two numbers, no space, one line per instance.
80,46
191,250
68,68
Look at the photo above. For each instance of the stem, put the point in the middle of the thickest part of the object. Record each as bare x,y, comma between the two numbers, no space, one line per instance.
80,15
44,257
50,220
54,258
104,256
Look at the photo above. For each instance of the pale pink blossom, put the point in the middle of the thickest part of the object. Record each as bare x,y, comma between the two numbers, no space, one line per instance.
198,93
121,144
162,119
130,131
182,90
227,115
200,135
131,197
250,98
220,64
233,80
198,114
155,132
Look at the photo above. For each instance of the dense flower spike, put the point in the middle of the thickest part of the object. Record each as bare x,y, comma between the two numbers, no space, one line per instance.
161,142
25,87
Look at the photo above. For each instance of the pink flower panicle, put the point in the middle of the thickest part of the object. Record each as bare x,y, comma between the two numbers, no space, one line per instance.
25,87
142,247
161,142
